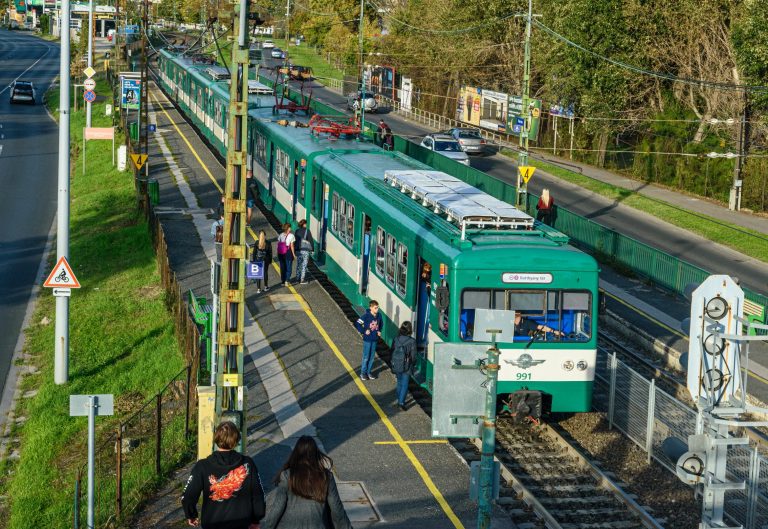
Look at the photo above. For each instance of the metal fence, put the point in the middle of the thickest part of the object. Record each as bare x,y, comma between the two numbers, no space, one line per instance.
648,416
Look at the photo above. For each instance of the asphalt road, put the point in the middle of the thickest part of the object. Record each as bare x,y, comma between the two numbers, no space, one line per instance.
28,176
640,226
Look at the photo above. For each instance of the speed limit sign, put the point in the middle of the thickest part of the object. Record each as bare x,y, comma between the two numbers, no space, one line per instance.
89,84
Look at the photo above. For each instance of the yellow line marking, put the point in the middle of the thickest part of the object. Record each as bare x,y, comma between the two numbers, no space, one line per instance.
398,439
670,329
419,442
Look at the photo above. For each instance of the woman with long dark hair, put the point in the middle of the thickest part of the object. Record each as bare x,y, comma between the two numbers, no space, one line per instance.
306,496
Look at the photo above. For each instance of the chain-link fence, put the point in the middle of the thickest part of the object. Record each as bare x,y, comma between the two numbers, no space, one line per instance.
648,416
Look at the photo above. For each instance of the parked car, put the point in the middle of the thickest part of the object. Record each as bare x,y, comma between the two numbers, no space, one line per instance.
268,44
470,140
371,105
23,92
445,145
277,53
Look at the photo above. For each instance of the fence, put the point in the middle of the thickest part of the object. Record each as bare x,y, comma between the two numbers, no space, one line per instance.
648,415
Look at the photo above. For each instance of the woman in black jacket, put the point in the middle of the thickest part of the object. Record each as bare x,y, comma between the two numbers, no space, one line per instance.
403,353
263,252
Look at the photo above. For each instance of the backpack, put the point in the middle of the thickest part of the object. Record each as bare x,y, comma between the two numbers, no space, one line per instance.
401,360
219,237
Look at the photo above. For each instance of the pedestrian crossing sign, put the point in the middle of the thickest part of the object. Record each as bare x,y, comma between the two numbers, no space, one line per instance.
139,160
526,172
62,276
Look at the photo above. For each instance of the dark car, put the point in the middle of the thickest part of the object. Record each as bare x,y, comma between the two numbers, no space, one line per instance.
23,92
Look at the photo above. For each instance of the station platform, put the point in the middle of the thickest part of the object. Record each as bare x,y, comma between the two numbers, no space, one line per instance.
302,359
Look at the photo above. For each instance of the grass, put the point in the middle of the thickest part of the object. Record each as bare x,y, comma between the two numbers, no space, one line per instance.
304,55
744,240
121,335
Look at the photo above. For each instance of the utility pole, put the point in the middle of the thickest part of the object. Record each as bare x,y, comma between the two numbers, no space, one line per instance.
230,389
90,58
61,357
287,23
362,71
522,159
144,89
487,471
743,132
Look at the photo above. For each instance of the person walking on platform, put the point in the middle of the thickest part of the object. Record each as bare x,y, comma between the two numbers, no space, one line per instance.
369,325
545,208
305,243
229,481
306,496
286,253
263,252
403,354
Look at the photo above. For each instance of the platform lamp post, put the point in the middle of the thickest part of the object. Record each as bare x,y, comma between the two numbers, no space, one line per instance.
487,470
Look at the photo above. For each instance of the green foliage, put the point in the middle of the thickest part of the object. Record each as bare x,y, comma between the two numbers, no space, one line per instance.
45,24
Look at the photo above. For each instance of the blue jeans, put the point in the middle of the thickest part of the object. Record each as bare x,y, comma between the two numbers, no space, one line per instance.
402,387
286,263
301,265
369,353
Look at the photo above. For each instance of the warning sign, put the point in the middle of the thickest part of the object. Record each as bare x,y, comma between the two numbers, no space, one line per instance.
526,172
139,160
62,276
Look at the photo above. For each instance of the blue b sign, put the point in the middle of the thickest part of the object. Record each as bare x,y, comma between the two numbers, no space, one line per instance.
255,270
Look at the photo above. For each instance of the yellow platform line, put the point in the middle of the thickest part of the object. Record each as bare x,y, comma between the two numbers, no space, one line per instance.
398,439
417,442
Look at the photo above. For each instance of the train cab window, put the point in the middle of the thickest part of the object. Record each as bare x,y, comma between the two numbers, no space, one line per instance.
391,255
568,312
381,243
335,212
402,268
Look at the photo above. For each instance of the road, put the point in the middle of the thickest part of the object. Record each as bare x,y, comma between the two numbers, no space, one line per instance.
28,175
640,226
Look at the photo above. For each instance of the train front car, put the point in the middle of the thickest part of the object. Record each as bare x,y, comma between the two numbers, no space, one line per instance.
507,273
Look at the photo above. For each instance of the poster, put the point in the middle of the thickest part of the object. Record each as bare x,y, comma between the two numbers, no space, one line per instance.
493,114
131,99
516,117
469,105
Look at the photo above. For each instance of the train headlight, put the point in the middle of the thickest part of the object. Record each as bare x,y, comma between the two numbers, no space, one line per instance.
582,365
568,365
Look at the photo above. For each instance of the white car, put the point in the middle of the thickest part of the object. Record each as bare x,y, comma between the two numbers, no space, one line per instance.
447,146
268,44
23,92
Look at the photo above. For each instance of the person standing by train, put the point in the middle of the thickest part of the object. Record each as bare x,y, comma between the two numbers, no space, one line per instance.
305,244
403,355
286,253
369,325
545,208
263,252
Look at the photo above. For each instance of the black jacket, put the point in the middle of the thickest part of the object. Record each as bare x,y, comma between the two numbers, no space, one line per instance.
232,493
263,255
403,353
303,234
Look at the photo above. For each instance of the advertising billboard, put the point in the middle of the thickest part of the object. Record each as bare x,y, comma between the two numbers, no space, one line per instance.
493,114
516,117
131,99
469,105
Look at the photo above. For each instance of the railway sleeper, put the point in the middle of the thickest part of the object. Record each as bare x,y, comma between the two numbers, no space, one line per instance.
624,524
605,513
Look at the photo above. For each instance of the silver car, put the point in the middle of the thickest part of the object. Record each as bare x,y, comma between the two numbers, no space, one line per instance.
23,91
445,145
470,140
371,105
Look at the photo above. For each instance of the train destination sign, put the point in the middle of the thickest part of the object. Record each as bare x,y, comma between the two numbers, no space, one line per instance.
525,277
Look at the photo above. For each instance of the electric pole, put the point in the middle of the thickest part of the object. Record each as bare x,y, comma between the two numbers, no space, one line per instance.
742,137
61,348
362,71
287,23
522,159
144,89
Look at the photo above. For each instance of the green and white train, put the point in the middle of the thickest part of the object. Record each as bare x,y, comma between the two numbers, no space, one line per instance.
440,253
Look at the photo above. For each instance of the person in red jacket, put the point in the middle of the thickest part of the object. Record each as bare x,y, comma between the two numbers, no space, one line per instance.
233,497
546,208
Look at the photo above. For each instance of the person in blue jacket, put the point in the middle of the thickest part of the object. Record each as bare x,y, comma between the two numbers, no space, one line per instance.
369,325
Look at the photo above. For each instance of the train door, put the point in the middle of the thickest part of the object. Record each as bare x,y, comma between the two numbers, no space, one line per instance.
324,216
295,188
271,183
365,253
423,294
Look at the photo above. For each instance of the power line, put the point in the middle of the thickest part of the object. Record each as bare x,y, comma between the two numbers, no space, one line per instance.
659,75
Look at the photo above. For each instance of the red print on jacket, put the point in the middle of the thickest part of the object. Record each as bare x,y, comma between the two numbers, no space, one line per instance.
223,488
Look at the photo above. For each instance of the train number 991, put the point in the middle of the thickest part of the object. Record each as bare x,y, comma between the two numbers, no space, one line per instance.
523,376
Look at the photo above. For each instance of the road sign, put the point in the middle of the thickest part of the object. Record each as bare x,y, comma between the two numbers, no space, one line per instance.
152,127
89,96
89,72
62,292
89,84
139,160
62,276
526,172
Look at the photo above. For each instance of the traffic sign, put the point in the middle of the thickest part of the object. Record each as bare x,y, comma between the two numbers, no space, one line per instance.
89,84
89,96
152,127
89,72
526,172
62,292
62,276
139,160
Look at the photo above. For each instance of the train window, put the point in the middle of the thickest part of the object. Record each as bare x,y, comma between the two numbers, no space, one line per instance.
261,150
567,311
342,219
402,268
335,213
302,178
282,167
381,241
391,255
350,224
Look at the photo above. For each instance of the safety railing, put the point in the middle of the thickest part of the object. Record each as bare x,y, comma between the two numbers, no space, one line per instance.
648,416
